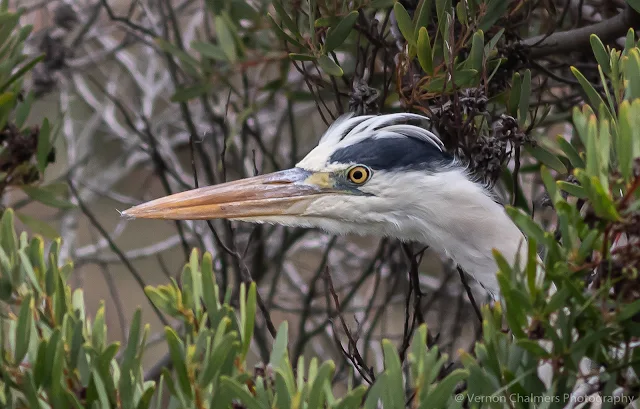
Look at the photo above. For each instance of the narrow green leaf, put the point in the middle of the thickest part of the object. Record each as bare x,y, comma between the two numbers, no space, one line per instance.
573,189
624,140
424,51
514,94
381,4
286,19
316,394
329,66
22,71
209,50
23,329
528,226
282,34
404,23
46,196
302,57
593,96
241,393
38,226
189,63
525,99
444,390
26,266
279,350
476,55
225,38
422,15
176,350
338,34
547,158
571,152
249,320
601,54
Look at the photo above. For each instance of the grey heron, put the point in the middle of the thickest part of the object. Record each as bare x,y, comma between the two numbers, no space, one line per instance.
369,175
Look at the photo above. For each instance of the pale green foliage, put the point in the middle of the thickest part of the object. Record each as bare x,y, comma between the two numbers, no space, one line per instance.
25,150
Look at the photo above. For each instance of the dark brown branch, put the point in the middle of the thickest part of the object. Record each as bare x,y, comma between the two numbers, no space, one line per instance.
467,288
578,38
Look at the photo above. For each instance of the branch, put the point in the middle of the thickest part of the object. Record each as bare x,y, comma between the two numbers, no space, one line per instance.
578,39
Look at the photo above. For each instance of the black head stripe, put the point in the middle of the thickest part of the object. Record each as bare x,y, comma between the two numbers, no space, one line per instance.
393,153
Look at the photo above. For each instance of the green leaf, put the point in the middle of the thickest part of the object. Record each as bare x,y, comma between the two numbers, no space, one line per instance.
573,189
635,4
533,347
547,158
23,329
404,23
38,226
424,51
393,367
593,96
241,393
624,141
283,394
514,94
422,15
226,38
302,57
23,109
444,390
279,351
316,394
46,196
30,392
176,350
462,78
189,63
282,34
525,98
286,20
22,71
550,184
528,226
99,331
161,300
571,152
329,66
249,319
209,50
632,74
495,9
210,289
338,34
26,266
601,54
381,4
476,55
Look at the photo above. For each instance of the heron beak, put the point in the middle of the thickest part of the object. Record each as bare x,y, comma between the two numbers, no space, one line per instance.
286,192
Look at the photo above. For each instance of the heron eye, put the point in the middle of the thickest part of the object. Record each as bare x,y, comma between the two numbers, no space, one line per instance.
359,174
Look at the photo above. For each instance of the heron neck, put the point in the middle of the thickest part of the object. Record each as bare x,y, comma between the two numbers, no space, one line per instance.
466,223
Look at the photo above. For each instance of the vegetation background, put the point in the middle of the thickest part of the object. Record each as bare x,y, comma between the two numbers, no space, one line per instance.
146,98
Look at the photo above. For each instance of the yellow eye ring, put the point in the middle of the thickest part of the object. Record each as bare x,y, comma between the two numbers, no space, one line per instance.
359,174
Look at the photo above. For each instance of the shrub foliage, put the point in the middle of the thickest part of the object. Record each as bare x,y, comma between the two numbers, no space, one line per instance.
564,330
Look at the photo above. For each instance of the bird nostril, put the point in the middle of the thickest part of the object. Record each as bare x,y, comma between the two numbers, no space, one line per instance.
278,182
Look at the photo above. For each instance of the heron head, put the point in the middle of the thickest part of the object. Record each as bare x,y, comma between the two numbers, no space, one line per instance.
366,176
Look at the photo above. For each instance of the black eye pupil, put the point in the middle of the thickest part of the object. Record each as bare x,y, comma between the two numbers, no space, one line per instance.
357,175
